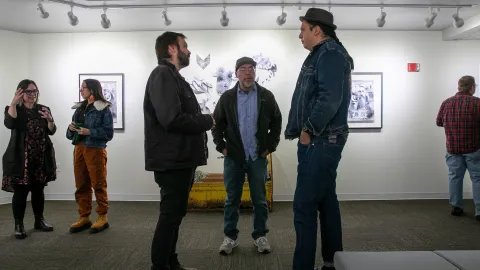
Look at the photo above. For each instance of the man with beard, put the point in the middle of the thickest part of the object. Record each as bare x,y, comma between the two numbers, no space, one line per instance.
248,127
175,143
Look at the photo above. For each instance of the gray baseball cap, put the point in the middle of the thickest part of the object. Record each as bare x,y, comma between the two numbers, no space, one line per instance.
243,61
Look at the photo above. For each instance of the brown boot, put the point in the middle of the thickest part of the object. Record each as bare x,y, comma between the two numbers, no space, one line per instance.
82,224
100,225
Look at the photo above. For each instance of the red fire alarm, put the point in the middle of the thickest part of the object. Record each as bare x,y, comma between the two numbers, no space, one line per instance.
413,67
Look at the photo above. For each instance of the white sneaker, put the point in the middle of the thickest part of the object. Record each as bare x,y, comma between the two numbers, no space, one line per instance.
262,245
227,246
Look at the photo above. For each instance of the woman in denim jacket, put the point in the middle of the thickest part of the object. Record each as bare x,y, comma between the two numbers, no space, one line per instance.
90,130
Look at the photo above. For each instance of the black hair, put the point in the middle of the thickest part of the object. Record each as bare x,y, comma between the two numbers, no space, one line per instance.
330,32
95,88
24,85
165,40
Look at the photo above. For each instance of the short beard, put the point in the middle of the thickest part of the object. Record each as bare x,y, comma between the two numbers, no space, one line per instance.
183,59
247,84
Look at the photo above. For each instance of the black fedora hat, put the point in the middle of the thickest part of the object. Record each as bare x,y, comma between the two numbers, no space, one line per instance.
319,15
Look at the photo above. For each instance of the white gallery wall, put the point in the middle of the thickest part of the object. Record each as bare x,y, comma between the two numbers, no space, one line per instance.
14,67
405,160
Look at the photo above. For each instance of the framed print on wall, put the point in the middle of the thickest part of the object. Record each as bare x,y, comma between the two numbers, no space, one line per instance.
113,86
365,110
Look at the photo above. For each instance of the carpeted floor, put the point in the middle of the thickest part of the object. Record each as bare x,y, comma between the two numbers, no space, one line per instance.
367,226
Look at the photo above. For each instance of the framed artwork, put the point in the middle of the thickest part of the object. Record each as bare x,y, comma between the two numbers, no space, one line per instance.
366,107
113,86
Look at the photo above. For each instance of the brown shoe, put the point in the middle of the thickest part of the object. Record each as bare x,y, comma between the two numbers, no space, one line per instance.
100,225
82,224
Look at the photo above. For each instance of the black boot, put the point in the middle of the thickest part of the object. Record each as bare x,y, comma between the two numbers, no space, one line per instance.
180,267
457,211
20,232
41,224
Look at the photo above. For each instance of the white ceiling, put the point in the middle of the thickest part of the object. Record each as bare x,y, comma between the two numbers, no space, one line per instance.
23,16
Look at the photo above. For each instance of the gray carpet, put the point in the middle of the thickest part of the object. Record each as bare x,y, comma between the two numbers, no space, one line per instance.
367,226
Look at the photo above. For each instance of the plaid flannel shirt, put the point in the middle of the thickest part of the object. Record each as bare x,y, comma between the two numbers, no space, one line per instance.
460,117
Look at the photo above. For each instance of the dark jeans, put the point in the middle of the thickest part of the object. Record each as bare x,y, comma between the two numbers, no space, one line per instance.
175,186
315,192
19,200
234,178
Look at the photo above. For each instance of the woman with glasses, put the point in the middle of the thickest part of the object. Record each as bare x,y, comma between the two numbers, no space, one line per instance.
29,161
90,130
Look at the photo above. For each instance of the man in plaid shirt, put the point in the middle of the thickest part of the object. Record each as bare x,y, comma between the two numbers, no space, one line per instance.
460,117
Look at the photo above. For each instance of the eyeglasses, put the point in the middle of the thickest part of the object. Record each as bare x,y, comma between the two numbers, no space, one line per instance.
243,69
30,92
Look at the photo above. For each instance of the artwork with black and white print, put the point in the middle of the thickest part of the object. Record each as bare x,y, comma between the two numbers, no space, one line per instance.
203,92
113,91
366,108
110,94
203,63
225,77
211,81
362,106
266,68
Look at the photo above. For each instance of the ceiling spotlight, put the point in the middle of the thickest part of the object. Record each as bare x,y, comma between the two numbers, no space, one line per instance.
105,21
72,17
299,5
167,21
43,14
430,20
381,19
224,20
282,18
457,21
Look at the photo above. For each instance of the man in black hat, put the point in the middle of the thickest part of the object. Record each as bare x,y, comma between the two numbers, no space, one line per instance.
248,127
318,118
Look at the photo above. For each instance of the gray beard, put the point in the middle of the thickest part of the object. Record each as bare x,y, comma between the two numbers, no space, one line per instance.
247,85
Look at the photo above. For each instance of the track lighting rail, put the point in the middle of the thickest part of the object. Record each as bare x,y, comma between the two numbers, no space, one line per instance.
112,6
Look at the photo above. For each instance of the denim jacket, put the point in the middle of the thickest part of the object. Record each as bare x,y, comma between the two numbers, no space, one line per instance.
98,120
322,94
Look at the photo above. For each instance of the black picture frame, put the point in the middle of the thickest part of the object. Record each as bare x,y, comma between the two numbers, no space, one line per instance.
366,105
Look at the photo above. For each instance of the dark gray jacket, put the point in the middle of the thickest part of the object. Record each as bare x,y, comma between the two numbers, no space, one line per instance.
226,134
175,129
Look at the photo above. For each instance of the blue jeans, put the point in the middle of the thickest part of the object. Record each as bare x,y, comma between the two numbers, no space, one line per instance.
316,192
234,178
457,165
